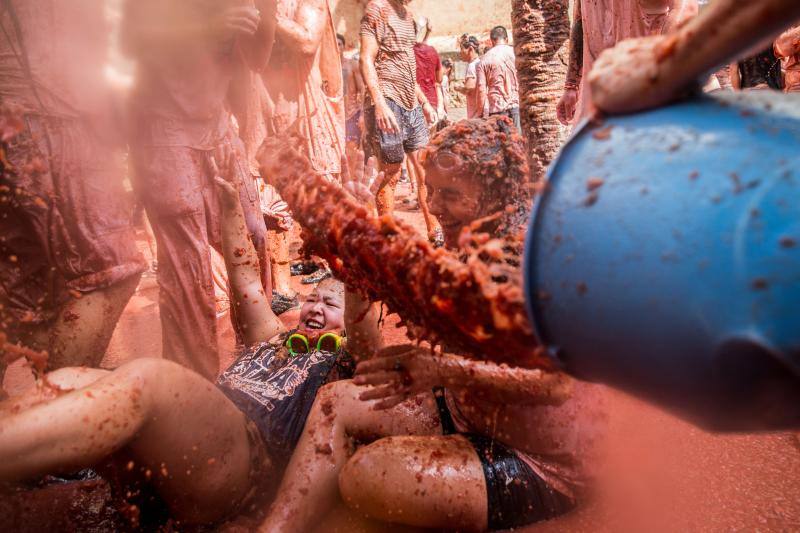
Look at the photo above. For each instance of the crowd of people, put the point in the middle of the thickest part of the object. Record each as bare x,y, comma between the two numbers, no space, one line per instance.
321,414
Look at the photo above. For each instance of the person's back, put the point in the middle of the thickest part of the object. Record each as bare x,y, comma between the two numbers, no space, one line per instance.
499,67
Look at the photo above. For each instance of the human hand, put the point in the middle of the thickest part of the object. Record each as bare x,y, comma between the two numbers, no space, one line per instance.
359,177
223,165
429,112
633,76
385,119
566,106
239,20
396,374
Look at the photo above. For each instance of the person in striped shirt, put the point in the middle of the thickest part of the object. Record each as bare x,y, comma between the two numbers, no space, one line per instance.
396,111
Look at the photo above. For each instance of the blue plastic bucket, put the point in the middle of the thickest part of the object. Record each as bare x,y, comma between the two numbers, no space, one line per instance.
664,258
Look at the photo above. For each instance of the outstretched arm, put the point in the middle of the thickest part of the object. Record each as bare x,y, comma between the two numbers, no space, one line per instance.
643,73
258,322
403,371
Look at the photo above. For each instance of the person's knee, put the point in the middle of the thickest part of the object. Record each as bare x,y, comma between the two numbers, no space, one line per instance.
145,378
362,480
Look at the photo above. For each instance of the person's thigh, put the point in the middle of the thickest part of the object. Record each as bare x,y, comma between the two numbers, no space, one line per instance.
195,445
388,147
433,482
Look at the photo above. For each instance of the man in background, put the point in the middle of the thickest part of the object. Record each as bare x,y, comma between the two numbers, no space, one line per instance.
429,67
395,110
498,88
601,24
470,48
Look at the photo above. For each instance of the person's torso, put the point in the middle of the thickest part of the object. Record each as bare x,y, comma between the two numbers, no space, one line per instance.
607,22
395,63
499,67
53,54
276,391
184,83
427,64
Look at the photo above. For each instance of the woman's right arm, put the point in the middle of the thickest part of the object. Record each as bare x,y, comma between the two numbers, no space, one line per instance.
259,323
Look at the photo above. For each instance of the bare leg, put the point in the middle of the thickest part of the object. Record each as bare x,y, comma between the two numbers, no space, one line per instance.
418,175
432,482
179,428
85,325
310,487
384,196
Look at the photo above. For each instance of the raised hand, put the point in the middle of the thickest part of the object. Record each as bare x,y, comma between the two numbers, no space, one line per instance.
359,177
396,374
223,165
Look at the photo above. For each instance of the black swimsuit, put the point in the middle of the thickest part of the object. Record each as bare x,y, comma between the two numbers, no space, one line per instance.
517,496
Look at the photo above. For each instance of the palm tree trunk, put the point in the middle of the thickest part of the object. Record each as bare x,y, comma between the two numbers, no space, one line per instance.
541,43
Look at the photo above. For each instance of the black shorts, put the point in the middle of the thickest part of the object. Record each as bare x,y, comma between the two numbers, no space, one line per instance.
516,495
392,147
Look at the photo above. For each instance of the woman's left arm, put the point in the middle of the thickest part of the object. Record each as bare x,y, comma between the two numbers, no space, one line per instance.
401,372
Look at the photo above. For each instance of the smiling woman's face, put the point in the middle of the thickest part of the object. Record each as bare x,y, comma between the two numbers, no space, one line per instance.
323,310
454,194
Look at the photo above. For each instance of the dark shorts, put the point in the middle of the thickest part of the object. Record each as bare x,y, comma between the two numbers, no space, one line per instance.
392,147
516,495
352,128
513,114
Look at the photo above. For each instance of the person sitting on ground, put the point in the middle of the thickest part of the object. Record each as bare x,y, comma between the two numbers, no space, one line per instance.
493,447
211,452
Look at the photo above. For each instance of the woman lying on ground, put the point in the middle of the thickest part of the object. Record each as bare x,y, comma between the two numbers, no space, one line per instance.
210,451
506,447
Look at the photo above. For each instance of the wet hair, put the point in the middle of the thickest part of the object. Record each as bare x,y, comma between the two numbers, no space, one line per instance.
470,41
332,284
495,153
498,33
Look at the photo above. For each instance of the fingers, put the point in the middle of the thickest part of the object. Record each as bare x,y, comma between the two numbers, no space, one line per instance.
380,393
378,378
371,171
226,186
390,402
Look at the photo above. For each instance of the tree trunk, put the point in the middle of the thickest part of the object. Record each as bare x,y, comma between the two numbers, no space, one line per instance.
541,43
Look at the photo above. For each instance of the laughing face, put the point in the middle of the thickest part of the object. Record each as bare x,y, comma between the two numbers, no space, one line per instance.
453,194
323,309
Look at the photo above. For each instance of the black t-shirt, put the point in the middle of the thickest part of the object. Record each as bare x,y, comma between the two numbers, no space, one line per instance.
276,391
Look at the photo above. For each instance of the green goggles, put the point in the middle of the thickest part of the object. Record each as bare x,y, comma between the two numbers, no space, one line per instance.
297,343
